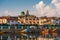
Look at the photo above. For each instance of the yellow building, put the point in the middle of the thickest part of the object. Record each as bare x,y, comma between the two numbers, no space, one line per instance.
31,19
3,20
20,19
35,20
28,19
47,20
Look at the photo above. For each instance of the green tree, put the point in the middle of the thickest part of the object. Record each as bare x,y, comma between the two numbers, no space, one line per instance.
22,13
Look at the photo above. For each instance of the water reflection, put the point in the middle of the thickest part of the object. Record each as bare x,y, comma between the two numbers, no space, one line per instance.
30,36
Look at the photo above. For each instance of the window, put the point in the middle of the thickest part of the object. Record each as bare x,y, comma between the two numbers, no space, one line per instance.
37,18
48,20
37,22
33,22
29,19
0,27
8,21
5,27
4,37
18,22
21,22
34,19
56,19
18,36
30,22
26,19
19,27
12,21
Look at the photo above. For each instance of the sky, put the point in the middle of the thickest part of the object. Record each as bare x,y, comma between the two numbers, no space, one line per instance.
35,7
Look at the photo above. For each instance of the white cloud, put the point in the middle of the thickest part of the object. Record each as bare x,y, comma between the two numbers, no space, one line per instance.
40,5
6,11
55,1
53,9
11,13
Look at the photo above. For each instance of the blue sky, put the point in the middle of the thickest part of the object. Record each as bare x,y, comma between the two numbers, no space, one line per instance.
19,5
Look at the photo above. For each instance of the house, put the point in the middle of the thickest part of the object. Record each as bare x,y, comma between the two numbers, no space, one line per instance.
12,21
46,20
3,20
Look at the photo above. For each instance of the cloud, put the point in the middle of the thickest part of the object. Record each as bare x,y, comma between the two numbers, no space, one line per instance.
55,1
11,13
53,9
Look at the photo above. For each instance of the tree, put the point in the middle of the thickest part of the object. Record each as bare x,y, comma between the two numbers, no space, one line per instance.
22,13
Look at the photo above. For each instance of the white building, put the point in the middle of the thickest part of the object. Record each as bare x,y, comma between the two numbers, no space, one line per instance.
12,20
56,21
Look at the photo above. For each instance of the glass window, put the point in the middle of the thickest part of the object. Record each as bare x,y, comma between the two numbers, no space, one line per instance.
5,27
19,26
56,19
18,36
0,27
4,37
25,27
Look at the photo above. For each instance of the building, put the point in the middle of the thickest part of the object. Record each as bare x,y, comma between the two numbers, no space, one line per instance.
3,20
28,19
12,21
56,21
7,21
46,20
